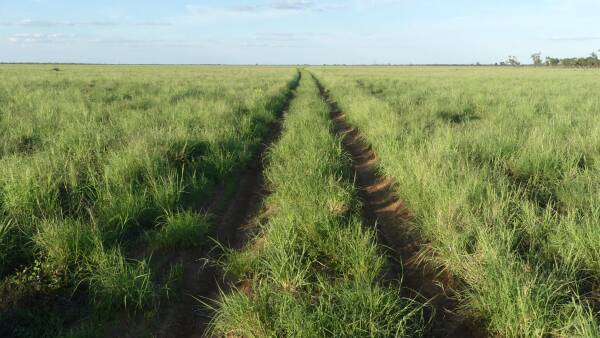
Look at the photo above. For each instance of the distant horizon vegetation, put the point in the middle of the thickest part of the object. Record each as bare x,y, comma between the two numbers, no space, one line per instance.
537,60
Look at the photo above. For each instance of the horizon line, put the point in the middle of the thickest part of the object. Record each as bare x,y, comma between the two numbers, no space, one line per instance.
267,64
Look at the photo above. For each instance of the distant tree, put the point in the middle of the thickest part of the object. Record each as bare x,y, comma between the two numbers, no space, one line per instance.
593,60
537,59
569,62
513,61
552,61
587,62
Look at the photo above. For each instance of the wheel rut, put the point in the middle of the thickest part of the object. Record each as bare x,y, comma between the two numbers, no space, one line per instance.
203,280
383,211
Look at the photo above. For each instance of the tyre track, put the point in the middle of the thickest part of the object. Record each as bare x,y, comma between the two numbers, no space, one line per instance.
204,281
387,214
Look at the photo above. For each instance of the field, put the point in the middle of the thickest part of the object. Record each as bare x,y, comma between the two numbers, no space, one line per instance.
103,166
499,169
323,201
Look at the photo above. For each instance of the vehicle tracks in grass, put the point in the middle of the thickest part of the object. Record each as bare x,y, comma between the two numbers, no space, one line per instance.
384,211
203,280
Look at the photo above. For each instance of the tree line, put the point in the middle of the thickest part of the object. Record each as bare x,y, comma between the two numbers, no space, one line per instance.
591,61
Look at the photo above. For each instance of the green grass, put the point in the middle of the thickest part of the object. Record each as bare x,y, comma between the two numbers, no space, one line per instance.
499,167
313,270
93,157
115,282
181,230
102,167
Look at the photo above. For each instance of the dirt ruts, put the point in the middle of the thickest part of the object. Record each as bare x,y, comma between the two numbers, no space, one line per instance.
202,278
385,212
203,281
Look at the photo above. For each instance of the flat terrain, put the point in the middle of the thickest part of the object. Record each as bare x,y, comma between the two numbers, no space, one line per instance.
498,168
185,201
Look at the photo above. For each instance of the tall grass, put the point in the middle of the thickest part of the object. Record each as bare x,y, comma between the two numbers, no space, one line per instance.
499,168
92,157
313,270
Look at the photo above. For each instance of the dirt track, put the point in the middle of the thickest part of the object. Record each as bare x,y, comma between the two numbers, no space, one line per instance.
203,281
385,212
187,317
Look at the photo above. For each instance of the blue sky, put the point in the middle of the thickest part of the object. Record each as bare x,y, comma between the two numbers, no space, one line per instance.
295,31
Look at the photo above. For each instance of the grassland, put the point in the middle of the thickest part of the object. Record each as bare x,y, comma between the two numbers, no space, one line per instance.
499,168
109,175
313,269
101,167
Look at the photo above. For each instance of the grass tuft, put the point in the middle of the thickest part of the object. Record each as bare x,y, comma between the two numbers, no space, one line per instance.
182,230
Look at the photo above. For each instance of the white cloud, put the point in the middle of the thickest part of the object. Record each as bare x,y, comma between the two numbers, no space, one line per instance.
364,4
282,5
279,37
58,38
575,38
266,9
55,23
23,38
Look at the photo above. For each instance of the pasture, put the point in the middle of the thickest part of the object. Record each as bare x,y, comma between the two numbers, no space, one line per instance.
320,201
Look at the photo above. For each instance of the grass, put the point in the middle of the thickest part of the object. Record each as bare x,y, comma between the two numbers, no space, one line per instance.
183,230
93,157
102,167
115,282
498,166
65,245
313,270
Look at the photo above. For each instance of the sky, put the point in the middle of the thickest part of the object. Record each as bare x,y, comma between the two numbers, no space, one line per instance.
295,31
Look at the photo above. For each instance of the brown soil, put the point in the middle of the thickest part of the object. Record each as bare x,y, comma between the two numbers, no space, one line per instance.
385,212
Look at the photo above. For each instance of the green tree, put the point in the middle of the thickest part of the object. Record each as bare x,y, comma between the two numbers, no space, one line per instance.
537,59
550,61
513,61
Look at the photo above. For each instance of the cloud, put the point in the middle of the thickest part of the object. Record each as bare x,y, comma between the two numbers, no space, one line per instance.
286,39
364,4
289,6
292,5
162,42
269,9
52,23
575,38
27,38
315,39
59,38
126,41
279,37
